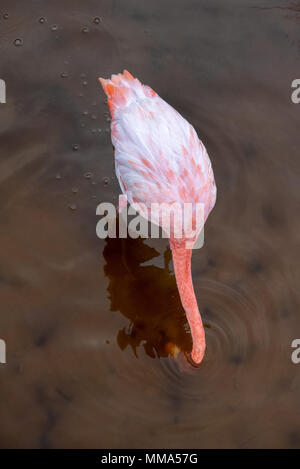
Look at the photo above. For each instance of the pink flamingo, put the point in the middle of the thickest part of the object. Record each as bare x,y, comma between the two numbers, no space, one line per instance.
159,158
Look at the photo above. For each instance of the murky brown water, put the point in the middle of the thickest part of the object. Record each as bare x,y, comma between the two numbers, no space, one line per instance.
86,321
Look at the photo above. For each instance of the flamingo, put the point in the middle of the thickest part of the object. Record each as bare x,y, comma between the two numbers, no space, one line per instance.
160,159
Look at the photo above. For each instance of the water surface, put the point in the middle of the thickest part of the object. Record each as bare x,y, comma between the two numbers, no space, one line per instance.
87,322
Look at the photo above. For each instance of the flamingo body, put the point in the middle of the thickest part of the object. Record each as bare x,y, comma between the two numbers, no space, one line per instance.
160,159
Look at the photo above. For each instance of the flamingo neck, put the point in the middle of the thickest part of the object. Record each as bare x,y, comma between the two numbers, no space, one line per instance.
182,268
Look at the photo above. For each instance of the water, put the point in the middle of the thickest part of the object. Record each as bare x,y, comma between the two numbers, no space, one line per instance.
88,323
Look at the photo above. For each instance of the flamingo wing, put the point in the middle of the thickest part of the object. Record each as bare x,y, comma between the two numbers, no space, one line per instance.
158,155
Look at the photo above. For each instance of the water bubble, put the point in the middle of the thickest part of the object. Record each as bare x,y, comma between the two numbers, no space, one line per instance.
105,181
75,147
63,75
97,20
85,29
85,113
94,183
72,206
54,27
18,42
84,83
43,20
58,176
75,190
99,130
88,175
5,16
82,124
93,116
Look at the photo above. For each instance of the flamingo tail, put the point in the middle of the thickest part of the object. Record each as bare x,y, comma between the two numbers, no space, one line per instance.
122,89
